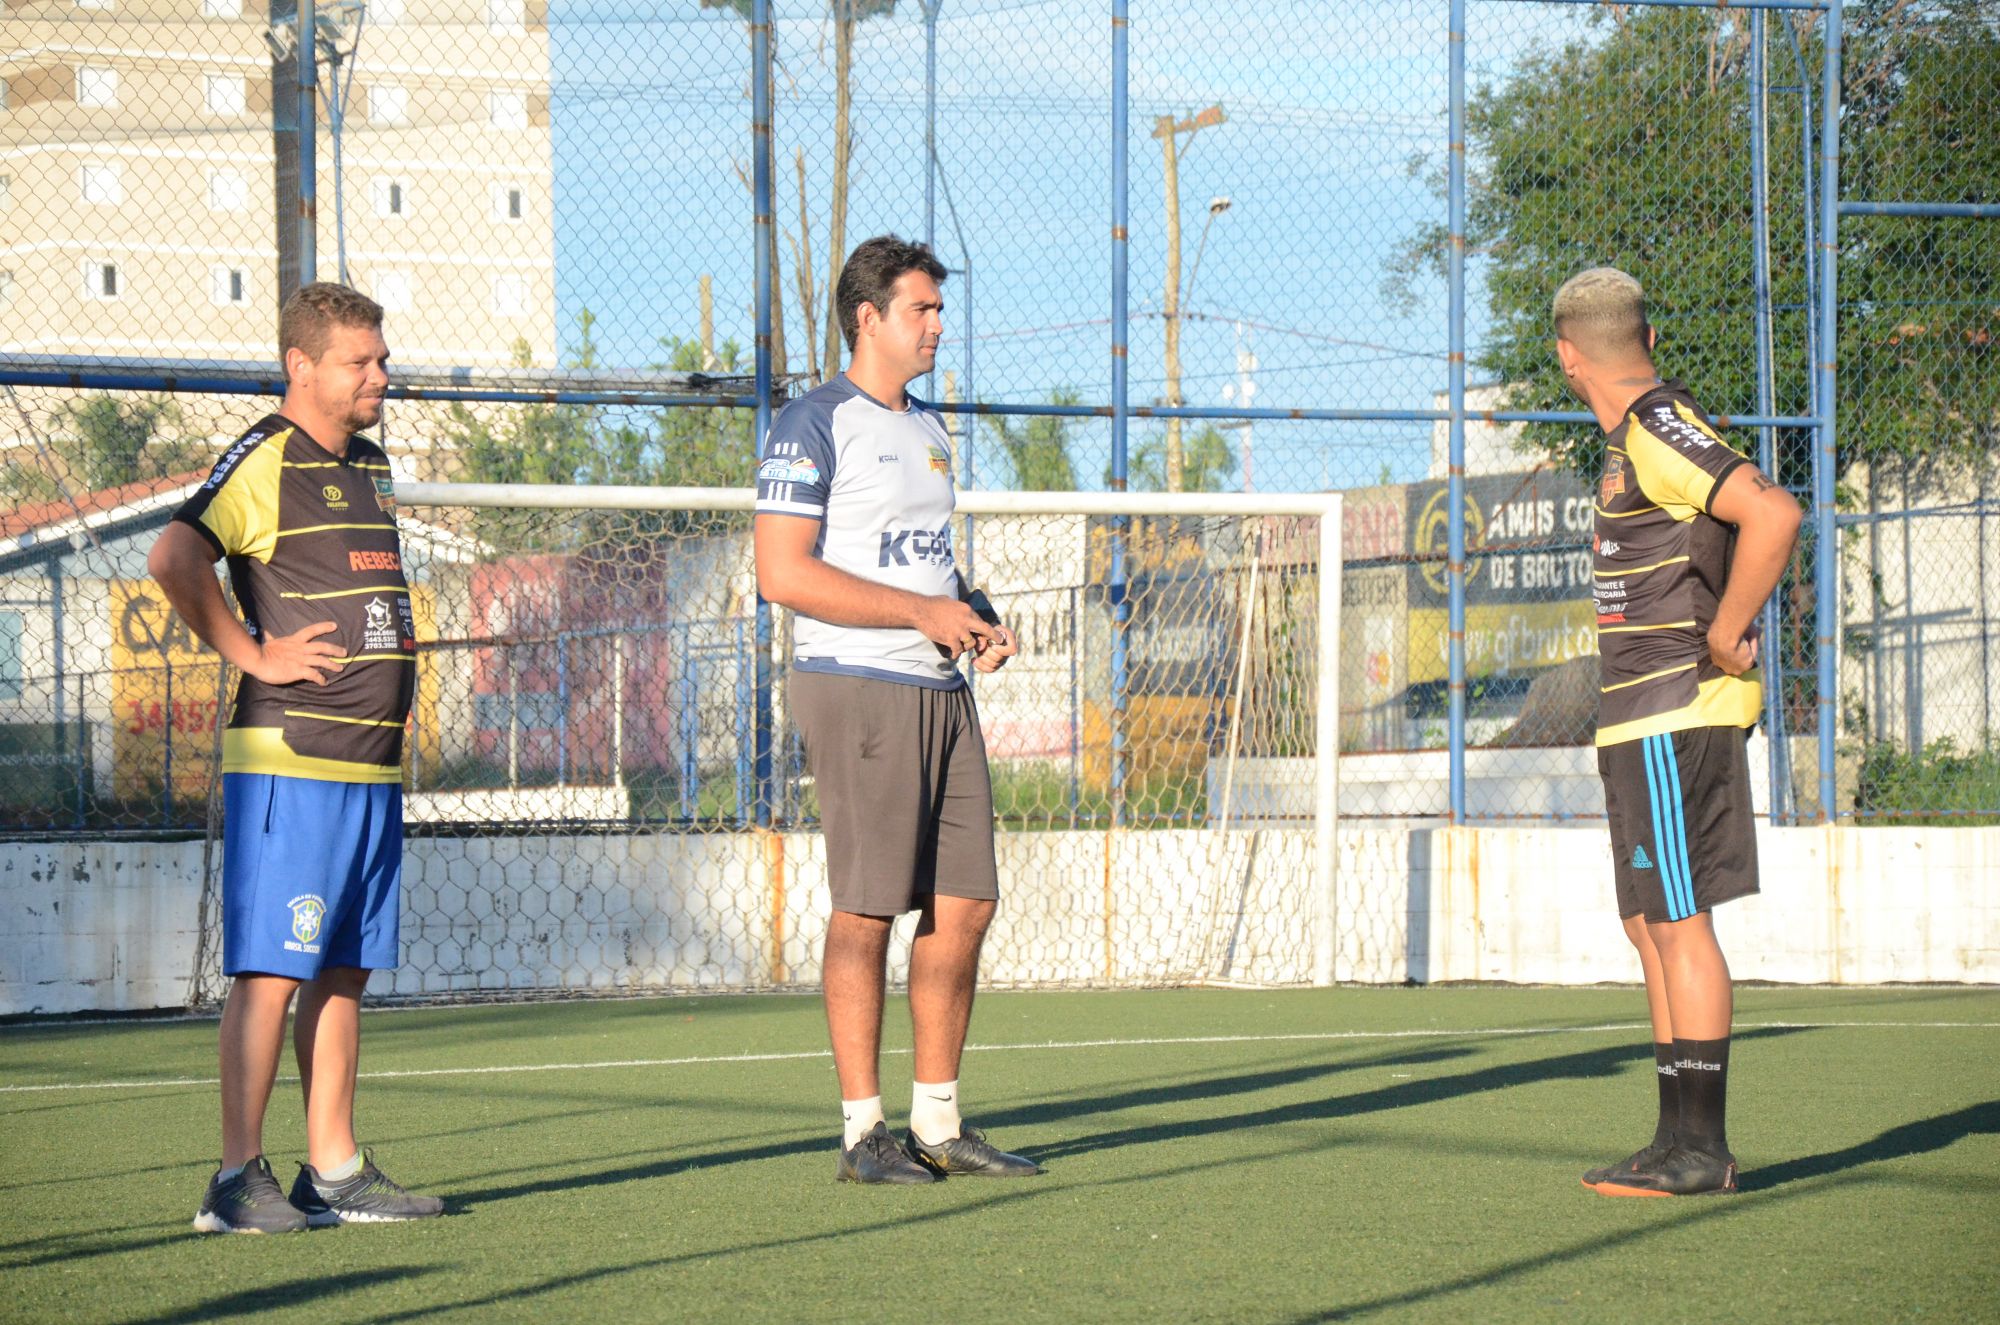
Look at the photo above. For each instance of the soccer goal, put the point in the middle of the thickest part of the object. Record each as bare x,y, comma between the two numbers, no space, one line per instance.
605,792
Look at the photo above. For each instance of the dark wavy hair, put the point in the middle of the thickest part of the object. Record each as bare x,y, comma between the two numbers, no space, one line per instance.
871,274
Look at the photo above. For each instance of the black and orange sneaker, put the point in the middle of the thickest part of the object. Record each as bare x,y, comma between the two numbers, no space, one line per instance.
1637,1162
1682,1171
968,1155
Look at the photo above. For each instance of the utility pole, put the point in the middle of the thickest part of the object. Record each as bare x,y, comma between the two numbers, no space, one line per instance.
707,323
1168,131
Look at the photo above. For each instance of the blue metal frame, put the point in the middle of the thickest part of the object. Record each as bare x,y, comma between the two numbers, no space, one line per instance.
1826,602
760,137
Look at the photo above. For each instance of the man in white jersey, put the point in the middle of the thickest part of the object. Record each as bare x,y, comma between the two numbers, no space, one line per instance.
854,504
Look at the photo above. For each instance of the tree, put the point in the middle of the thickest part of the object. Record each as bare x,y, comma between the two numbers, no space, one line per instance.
113,440
1038,447
1208,462
593,444
846,16
1629,148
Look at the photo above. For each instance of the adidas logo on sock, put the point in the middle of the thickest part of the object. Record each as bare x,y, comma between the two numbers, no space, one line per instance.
1640,860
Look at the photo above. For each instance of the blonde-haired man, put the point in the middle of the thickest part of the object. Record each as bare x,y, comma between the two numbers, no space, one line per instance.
1690,539
312,851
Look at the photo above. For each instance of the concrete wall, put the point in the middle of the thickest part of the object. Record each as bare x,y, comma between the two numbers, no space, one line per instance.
112,926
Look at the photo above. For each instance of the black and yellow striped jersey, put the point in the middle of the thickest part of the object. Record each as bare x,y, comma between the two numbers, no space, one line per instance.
1660,560
310,537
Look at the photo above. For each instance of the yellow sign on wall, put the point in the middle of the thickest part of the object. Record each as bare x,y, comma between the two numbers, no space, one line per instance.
1502,638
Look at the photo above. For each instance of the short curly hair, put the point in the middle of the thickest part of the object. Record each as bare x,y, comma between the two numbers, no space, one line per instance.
307,320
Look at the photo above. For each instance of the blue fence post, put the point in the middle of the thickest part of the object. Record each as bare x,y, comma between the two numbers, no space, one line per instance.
760,151
1455,487
1827,561
1121,607
1778,746
308,217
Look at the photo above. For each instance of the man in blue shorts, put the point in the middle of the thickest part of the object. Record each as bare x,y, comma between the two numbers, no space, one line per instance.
1688,543
303,509
853,532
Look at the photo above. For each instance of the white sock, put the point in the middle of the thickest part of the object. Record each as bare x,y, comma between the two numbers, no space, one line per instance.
342,1172
859,1118
934,1111
224,1175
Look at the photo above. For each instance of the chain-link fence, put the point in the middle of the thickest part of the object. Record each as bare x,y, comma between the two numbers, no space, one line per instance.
1252,290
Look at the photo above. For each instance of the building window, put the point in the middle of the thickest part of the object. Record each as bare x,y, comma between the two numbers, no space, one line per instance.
507,110
222,94
96,86
506,15
6,191
103,282
103,185
510,296
392,291
509,203
385,11
227,191
222,8
6,288
13,673
93,4
228,287
388,104
392,197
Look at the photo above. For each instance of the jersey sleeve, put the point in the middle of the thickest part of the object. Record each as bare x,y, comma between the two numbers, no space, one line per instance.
236,509
795,472
1678,459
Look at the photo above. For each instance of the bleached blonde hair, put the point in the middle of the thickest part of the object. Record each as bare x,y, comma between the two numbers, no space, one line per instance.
1603,313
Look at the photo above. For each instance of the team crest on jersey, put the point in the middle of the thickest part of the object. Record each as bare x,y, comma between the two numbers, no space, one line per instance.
940,460
334,496
378,630
308,913
1613,481
788,469
385,494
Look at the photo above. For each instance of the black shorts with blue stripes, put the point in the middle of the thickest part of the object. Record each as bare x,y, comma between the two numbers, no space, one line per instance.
1682,832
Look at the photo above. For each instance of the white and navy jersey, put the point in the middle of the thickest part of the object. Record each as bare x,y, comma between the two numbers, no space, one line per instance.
879,482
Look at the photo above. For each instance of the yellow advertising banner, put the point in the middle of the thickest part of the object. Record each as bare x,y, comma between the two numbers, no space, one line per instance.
166,691
1502,638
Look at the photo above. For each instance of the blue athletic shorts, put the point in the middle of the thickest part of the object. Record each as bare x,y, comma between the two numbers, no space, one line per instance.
311,874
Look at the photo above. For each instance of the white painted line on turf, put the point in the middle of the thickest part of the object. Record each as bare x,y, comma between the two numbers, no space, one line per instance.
1132,1042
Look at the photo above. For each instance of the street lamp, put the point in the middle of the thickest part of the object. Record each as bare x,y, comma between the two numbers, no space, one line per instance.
1216,207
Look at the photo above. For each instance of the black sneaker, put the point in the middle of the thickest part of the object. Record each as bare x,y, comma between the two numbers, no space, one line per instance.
250,1202
369,1197
1637,1162
877,1158
969,1155
1682,1171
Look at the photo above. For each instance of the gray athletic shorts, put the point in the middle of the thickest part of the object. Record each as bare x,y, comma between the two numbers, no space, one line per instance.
904,796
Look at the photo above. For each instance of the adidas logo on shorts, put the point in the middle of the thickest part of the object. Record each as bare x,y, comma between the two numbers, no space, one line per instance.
1640,860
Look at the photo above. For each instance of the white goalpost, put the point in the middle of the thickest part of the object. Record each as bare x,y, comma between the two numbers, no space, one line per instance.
605,793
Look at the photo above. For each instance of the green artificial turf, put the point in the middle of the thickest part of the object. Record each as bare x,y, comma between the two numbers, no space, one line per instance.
1419,1167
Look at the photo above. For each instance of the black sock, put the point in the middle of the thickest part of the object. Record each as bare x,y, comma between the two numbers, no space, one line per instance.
1670,1094
1702,1067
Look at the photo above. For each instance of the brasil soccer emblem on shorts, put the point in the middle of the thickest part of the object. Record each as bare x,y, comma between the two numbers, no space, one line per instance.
307,913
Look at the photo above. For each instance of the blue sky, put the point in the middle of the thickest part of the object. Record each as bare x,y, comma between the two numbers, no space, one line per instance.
1327,104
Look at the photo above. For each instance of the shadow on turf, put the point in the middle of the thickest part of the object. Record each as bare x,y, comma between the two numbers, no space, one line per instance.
1900,1142
313,1291
1019,1116
1430,1090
